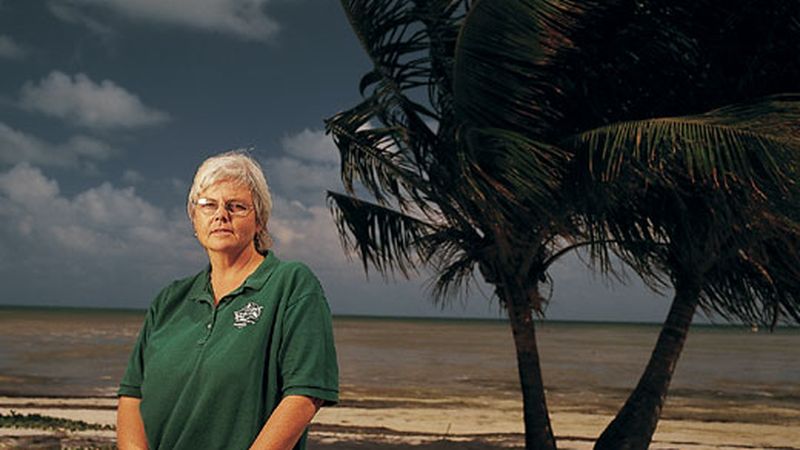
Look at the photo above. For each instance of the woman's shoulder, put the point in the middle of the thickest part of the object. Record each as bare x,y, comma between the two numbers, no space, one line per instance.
291,268
296,277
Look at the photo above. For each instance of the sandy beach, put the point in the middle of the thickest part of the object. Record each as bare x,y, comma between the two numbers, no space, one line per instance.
434,385
429,424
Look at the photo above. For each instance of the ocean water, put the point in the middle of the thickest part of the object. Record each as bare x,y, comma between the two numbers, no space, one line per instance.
586,366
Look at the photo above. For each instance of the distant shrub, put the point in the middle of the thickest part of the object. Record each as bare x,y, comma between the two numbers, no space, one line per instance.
38,421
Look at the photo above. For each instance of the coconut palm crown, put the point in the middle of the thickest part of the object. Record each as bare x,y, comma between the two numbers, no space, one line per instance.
488,128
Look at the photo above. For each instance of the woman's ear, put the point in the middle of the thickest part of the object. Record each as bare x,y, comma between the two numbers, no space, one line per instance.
194,227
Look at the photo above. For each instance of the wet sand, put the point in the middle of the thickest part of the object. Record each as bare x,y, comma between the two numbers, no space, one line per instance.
393,423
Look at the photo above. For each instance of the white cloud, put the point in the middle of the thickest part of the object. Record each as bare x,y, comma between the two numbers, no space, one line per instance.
312,145
89,147
103,214
309,166
78,99
301,223
78,151
25,185
100,240
244,19
306,232
107,206
10,49
301,180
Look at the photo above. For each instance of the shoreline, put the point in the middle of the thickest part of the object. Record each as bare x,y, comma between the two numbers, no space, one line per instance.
393,423
500,319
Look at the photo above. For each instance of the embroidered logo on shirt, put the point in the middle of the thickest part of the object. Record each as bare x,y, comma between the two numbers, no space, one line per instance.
248,315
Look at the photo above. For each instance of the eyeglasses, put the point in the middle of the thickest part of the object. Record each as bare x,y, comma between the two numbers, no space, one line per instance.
209,207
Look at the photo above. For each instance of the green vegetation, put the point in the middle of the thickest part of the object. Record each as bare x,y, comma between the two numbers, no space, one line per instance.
499,135
38,421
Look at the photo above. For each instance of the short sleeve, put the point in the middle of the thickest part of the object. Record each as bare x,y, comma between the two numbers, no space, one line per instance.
131,383
307,355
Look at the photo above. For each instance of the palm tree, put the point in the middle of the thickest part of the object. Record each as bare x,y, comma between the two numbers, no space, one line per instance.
451,196
719,235
725,251
483,122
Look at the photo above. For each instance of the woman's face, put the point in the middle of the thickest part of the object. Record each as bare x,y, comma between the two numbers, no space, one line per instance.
218,226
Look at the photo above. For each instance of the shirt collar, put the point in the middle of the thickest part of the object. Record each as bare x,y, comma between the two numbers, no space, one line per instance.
201,288
262,273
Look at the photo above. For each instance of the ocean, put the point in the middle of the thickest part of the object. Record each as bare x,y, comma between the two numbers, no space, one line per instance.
725,371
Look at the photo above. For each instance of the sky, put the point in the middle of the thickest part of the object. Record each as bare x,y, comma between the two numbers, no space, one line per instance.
107,107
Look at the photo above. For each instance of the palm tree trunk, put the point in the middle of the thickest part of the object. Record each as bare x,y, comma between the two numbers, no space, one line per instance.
635,423
518,299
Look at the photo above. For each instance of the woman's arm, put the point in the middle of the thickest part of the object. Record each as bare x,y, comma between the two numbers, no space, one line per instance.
130,427
287,423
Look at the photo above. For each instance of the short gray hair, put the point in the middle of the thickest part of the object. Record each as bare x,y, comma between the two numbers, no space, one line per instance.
239,167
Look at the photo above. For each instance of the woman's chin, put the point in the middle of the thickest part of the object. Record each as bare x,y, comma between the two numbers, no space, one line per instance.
229,247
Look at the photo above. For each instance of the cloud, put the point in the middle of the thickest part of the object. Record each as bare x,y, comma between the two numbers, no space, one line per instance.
244,19
73,15
131,176
99,217
311,145
303,229
304,181
78,151
106,244
308,166
301,224
10,49
306,232
80,100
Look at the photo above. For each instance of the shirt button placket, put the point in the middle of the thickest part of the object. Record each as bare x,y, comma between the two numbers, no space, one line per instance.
209,328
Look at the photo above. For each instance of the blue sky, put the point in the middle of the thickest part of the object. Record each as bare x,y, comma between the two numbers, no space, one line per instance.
106,109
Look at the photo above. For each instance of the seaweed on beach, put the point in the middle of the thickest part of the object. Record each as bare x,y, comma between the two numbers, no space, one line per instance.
38,421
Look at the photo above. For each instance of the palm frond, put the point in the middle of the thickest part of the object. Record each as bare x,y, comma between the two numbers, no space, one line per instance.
637,60
368,156
761,285
453,263
387,141
410,44
384,238
749,143
506,47
525,172
442,20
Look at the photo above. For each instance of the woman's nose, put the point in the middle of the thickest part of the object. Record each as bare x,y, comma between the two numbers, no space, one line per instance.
222,214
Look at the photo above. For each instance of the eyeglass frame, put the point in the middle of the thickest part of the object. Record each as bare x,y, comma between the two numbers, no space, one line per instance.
204,202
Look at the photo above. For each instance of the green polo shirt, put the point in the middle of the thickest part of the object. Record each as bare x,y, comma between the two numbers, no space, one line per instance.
209,377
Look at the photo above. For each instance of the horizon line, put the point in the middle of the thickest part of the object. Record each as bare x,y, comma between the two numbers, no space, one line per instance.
406,317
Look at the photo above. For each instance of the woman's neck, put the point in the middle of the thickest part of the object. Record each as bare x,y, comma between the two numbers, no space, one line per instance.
229,271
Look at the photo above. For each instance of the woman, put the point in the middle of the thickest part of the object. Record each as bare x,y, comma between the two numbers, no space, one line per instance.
240,355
